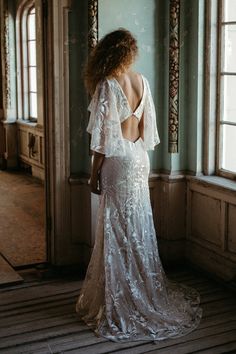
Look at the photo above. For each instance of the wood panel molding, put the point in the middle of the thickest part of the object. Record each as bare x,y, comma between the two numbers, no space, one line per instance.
31,147
231,227
211,215
206,218
8,145
64,249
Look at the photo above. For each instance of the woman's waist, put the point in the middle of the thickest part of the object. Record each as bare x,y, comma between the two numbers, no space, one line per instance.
128,165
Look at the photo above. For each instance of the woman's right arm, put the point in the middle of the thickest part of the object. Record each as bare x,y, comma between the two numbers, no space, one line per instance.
97,162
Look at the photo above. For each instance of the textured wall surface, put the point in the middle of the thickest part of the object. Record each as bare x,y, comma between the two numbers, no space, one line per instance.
149,21
141,18
79,140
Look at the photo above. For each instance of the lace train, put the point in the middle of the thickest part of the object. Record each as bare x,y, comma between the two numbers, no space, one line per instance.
126,295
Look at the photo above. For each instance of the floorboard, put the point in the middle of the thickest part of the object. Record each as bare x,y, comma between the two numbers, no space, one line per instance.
39,317
7,273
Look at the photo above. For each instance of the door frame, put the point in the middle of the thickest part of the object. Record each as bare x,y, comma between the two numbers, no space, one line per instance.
61,249
47,22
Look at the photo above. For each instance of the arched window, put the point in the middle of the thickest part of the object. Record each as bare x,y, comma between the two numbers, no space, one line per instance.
32,69
26,62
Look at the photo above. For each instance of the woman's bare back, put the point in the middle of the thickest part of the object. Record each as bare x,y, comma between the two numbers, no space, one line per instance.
132,86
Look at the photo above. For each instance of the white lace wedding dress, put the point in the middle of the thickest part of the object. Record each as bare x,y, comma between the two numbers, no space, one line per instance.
126,295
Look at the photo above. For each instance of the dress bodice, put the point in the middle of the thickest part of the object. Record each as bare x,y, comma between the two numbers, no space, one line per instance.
125,106
109,107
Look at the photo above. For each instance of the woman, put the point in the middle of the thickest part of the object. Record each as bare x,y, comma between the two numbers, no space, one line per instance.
126,295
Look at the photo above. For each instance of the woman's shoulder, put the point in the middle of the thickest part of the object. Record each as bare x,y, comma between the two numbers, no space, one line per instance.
103,85
142,77
138,74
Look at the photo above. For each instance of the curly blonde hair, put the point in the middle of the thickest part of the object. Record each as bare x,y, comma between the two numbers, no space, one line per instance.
112,55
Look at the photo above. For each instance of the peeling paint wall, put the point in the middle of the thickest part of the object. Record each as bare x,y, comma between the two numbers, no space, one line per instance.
141,18
149,21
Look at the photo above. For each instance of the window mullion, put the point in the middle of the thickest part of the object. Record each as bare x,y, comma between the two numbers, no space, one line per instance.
28,54
225,87
218,109
225,73
222,122
225,23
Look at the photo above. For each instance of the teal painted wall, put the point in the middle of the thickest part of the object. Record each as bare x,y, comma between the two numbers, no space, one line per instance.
149,21
191,34
191,86
140,17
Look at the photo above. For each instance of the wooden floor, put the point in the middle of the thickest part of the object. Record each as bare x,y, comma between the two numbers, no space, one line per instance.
39,317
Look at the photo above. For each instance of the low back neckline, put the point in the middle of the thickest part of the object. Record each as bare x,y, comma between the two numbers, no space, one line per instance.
124,95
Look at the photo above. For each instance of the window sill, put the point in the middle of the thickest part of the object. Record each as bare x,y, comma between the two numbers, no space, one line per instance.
215,181
26,122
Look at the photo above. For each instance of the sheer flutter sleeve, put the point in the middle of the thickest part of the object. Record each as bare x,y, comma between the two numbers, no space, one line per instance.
104,123
151,136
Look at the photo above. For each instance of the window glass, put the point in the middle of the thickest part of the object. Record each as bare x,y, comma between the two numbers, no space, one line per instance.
229,48
229,148
32,79
228,99
31,26
229,10
33,105
32,68
32,53
227,81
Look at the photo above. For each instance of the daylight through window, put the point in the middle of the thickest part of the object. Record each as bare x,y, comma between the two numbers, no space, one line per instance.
227,84
26,43
32,69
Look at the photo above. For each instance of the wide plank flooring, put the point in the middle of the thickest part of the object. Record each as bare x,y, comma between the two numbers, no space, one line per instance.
38,317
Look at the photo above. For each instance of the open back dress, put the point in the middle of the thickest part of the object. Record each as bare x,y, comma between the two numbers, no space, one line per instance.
126,295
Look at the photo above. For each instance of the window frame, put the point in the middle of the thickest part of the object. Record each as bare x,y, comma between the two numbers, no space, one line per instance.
219,131
23,72
32,119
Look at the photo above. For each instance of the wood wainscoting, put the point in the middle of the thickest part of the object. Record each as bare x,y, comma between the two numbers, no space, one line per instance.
211,225
168,198
8,144
22,142
31,147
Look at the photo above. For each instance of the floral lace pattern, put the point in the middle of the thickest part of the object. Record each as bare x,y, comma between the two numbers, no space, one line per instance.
126,295
108,108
